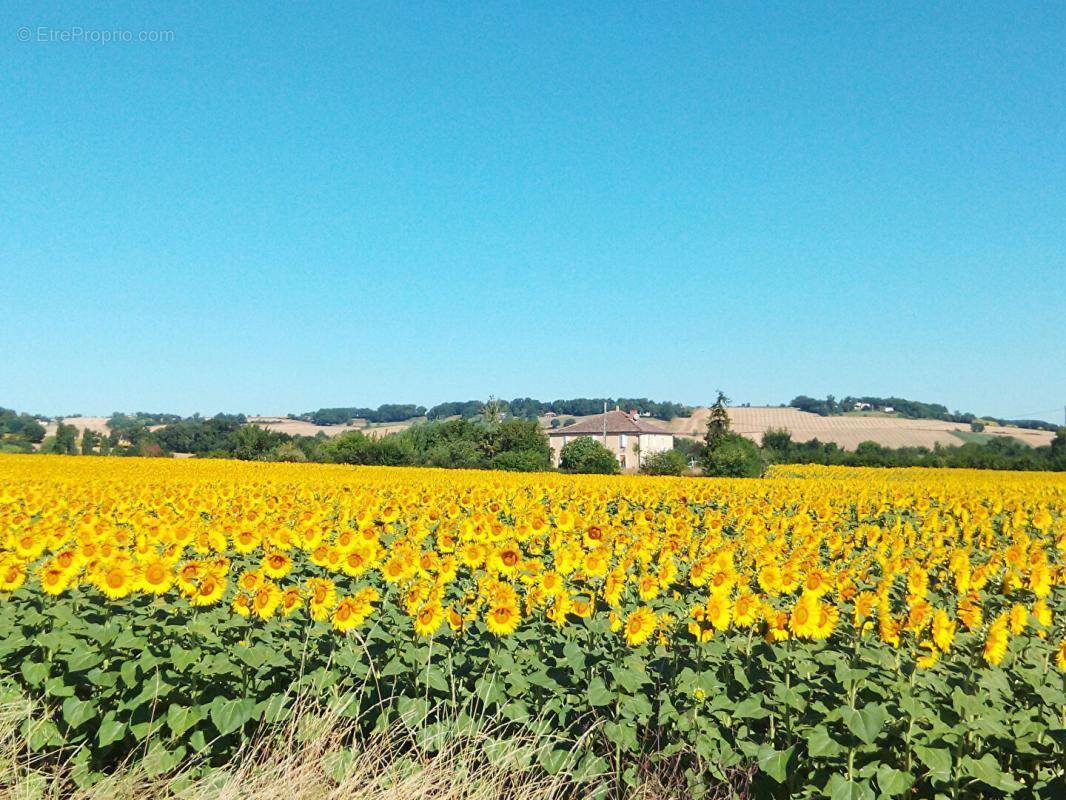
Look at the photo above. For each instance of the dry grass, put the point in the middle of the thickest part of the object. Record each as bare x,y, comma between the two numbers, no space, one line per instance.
311,758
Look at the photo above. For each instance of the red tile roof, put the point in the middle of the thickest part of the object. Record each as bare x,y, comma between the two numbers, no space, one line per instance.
617,422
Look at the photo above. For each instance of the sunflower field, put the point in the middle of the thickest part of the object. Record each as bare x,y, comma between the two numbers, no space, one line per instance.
823,631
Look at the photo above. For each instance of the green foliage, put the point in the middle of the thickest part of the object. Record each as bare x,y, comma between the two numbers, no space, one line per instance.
63,442
901,407
88,442
777,439
528,408
977,427
16,427
999,452
800,718
201,435
733,456
513,444
668,462
389,412
586,454
718,423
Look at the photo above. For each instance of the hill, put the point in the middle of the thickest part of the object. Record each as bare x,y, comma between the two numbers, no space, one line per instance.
846,431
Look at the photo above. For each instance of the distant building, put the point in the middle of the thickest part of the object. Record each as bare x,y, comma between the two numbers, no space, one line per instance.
889,409
629,437
860,406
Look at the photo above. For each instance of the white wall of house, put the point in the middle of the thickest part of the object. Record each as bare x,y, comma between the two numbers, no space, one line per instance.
629,448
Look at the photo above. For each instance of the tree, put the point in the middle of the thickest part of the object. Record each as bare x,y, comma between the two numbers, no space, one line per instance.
586,454
777,439
33,431
717,421
667,462
88,442
1057,450
253,443
66,439
493,411
733,456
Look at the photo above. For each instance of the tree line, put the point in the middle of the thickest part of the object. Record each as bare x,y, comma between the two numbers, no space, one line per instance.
19,432
522,407
493,441
908,409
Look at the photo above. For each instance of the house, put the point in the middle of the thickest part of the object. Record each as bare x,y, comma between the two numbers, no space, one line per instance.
626,435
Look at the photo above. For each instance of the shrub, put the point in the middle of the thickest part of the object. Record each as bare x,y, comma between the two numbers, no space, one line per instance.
585,454
668,462
522,461
734,456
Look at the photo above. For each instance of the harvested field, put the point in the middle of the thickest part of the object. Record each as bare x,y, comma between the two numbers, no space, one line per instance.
295,427
847,431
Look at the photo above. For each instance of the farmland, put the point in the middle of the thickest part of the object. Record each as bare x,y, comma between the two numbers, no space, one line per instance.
847,631
752,421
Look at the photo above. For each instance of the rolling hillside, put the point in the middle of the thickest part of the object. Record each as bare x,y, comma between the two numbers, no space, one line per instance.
846,431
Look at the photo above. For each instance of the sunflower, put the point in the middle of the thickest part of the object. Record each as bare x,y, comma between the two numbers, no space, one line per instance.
428,619
1060,656
321,597
931,655
291,600
596,563
583,606
996,640
250,580
276,565
12,576
502,620
28,547
943,630
745,610
358,560
347,615
640,625
266,599
187,577
828,615
770,579
242,604
1019,616
505,559
245,541
719,611
700,627
454,618
805,617
648,587
154,576
209,590
116,579
1042,614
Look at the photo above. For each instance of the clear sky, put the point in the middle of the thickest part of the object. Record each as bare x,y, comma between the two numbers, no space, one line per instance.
287,207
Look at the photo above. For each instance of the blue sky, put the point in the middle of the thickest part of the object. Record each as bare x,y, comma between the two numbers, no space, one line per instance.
288,206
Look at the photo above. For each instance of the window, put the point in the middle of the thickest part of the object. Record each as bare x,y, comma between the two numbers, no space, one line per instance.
622,440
